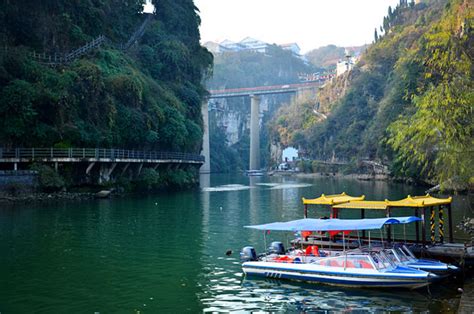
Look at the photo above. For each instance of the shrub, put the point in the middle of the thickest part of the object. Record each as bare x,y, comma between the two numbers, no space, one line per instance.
49,180
148,180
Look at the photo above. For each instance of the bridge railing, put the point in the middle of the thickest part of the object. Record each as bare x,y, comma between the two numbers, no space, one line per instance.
95,153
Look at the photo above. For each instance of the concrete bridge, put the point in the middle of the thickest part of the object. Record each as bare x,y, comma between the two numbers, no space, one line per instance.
101,162
255,94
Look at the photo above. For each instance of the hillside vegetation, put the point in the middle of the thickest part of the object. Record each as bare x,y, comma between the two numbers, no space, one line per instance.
326,57
409,100
147,97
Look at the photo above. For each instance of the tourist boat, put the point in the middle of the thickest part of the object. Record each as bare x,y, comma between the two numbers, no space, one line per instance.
362,269
403,255
254,173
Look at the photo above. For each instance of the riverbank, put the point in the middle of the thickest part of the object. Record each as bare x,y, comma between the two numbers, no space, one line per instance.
45,197
430,187
362,177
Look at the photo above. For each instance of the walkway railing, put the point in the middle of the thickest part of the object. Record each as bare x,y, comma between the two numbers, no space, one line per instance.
95,153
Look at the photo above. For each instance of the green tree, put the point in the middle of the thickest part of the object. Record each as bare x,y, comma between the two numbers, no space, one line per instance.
17,112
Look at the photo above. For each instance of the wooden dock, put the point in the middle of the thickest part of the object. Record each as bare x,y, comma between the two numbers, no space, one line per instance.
466,305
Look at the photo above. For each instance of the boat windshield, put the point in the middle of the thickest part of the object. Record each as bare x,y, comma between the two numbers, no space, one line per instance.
409,252
347,261
402,255
392,256
381,261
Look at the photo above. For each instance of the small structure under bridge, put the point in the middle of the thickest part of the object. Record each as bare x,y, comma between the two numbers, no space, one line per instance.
97,165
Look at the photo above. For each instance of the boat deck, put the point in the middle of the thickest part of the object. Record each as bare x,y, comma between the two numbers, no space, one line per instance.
457,253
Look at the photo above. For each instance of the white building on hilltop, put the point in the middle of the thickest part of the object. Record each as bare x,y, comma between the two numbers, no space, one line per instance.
345,65
230,45
250,44
253,44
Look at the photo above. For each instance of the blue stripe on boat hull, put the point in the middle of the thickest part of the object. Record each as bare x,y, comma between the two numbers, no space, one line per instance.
369,281
389,275
371,284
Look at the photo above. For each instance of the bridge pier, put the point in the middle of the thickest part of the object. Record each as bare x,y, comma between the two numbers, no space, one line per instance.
254,132
139,169
89,168
206,167
103,173
125,168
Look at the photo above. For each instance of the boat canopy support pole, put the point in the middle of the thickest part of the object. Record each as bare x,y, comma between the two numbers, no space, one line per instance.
423,226
450,224
417,226
305,210
370,246
404,233
389,228
265,243
362,216
381,237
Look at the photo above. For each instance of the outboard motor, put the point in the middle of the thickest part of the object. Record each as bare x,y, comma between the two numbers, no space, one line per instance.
248,254
276,248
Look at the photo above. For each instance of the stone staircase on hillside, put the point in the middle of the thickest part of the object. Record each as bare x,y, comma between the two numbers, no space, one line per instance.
138,33
62,59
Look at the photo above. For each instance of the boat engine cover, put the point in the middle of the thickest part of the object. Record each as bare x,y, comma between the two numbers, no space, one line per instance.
248,254
277,248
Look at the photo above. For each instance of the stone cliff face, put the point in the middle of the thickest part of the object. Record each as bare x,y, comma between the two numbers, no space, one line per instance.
234,115
333,91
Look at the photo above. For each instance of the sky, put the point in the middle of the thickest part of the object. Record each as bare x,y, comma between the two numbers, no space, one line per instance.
309,23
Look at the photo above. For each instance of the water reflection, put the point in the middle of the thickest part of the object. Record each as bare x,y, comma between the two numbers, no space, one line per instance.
223,286
166,252
228,291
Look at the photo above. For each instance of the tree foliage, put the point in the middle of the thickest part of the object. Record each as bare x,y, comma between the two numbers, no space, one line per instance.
326,57
146,98
439,136
409,100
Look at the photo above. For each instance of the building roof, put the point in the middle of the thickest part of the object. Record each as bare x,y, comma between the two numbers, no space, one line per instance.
410,201
332,199
363,204
250,40
420,201
287,45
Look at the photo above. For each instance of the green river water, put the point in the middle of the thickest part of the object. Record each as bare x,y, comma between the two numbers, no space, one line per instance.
166,253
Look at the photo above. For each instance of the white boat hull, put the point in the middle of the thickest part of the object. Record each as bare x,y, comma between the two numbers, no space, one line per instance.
336,276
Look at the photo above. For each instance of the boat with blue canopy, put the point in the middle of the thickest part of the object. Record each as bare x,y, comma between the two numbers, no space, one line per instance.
356,269
309,224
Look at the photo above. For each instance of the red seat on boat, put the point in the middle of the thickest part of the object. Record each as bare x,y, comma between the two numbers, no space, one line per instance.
334,263
365,264
283,259
350,264
312,250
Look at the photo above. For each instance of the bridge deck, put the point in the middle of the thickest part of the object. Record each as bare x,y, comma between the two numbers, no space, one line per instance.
262,90
63,155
